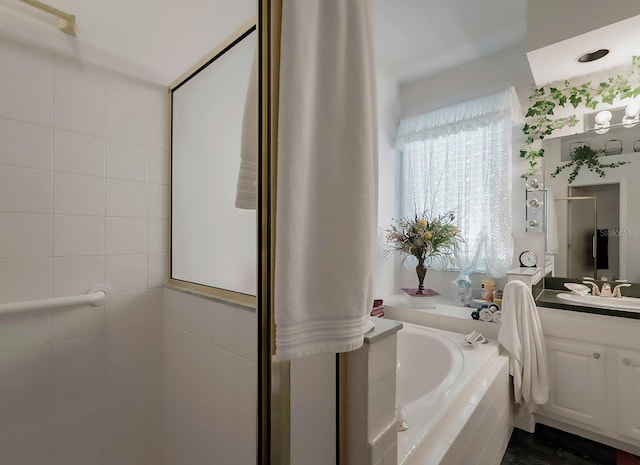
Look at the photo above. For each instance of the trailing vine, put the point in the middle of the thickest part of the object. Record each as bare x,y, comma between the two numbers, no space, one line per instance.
546,99
588,157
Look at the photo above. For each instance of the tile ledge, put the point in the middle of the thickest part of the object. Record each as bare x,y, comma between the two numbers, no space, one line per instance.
202,295
382,329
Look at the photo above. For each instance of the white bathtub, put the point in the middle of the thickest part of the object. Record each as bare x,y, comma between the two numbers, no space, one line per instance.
437,374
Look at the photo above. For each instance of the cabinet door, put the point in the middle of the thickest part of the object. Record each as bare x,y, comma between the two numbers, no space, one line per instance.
628,378
577,378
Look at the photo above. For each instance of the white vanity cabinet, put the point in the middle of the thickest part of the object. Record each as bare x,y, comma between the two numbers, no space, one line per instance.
577,375
628,395
594,370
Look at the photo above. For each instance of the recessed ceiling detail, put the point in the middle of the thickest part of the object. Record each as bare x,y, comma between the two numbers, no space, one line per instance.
560,60
593,55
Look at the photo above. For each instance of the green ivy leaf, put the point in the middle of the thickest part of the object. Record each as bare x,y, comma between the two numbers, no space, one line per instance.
575,100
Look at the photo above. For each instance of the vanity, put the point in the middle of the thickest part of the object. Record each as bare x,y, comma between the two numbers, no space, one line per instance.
591,229
593,355
594,368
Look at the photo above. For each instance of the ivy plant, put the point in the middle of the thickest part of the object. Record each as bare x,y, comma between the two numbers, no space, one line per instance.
545,100
585,156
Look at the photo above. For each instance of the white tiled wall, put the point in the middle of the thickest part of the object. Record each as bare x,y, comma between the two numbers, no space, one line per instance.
371,426
480,431
210,381
83,201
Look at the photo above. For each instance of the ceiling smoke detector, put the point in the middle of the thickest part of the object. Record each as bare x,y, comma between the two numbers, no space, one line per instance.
593,55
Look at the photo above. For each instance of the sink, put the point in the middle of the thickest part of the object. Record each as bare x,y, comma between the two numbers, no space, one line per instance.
615,303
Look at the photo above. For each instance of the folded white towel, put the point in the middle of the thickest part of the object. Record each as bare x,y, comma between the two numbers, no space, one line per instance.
486,314
327,177
521,335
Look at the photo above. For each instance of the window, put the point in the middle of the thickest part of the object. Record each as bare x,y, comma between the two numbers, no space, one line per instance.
213,242
459,158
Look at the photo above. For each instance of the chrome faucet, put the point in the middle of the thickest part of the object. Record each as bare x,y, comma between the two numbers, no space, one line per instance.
616,290
606,288
595,290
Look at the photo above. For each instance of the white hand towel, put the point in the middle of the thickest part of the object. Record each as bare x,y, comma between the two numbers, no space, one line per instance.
327,177
521,335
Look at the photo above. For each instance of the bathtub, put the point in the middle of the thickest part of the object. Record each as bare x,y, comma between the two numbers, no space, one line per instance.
438,374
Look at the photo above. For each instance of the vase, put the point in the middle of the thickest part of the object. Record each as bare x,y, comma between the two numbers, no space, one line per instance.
421,270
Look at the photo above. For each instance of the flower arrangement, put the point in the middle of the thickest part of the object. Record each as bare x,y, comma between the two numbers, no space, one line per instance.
425,237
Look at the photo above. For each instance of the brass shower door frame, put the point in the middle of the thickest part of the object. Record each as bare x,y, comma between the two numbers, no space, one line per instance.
273,425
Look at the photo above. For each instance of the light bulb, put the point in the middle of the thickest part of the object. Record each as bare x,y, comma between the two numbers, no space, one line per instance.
603,117
630,121
602,128
534,203
533,184
534,225
633,109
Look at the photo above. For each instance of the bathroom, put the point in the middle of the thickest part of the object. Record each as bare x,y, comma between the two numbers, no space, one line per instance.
167,373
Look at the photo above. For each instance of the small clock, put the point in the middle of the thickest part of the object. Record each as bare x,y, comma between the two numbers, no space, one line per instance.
528,259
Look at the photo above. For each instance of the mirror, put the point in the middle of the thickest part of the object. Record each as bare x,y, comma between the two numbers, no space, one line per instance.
592,223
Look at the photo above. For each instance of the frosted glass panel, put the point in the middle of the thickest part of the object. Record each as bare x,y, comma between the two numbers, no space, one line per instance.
213,242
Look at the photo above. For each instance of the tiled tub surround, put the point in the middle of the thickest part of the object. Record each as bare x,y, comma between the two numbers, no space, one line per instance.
371,384
83,202
210,381
467,422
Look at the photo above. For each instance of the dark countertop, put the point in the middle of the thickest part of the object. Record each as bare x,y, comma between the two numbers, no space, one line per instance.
549,298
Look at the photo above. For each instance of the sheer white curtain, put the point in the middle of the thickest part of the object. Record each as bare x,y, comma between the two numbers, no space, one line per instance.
459,158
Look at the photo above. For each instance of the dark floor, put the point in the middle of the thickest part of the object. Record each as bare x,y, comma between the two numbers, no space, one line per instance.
549,446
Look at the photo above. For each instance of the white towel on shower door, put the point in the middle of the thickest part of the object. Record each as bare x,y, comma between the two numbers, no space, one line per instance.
327,178
521,335
246,187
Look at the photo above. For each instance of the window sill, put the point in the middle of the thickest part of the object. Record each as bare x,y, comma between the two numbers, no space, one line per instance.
447,316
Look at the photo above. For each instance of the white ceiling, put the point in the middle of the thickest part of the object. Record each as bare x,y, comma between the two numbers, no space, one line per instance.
165,36
559,60
417,38
413,38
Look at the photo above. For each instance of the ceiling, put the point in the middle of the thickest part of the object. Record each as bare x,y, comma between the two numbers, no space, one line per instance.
165,36
558,60
417,38
413,38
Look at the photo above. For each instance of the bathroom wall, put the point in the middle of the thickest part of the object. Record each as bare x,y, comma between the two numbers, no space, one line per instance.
83,202
492,73
388,179
489,74
210,381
